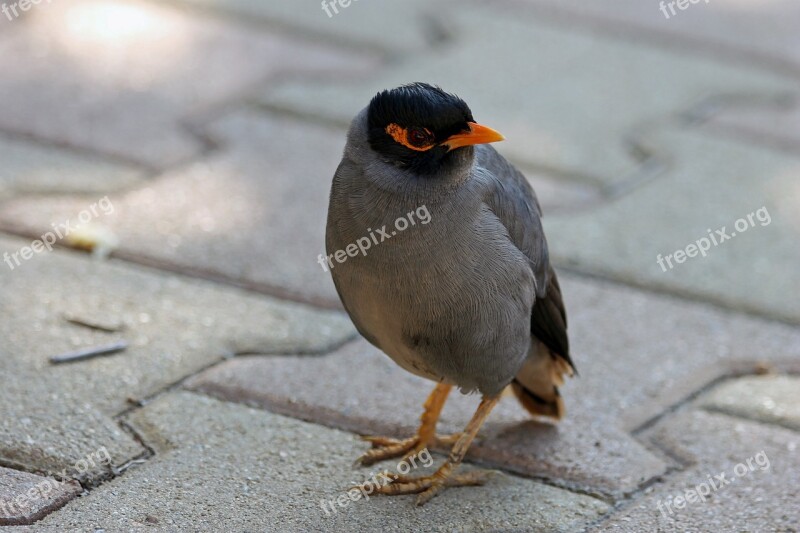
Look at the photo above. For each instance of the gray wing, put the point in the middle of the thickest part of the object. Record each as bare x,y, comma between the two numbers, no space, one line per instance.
512,199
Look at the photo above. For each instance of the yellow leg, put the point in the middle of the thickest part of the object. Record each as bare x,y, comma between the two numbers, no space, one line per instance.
430,486
386,448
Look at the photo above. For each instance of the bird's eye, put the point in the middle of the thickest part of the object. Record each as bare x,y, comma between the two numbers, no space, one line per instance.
415,138
419,136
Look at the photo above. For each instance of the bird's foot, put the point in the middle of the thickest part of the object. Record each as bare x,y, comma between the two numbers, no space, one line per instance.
429,486
387,448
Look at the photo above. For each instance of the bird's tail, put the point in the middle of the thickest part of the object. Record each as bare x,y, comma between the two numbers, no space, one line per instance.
536,384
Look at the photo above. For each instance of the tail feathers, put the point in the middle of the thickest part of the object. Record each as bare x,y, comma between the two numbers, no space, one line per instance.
552,407
536,384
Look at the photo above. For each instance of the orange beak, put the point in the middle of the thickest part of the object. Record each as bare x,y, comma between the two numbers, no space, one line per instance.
477,134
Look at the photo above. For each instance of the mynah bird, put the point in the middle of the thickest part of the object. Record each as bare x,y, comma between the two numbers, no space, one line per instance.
467,299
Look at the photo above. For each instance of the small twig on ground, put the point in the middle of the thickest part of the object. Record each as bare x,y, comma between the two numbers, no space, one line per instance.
89,353
109,326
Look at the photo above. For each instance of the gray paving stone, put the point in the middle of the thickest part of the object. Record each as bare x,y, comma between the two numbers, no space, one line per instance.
776,125
572,106
714,183
771,399
247,213
637,354
399,27
234,468
51,424
127,78
558,195
759,31
25,498
54,416
34,168
762,499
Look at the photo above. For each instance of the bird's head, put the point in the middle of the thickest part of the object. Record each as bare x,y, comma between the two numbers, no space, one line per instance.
421,128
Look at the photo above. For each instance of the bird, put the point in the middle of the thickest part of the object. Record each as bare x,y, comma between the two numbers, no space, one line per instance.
469,298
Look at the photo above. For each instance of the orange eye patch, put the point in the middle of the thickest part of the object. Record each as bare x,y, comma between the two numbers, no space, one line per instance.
419,139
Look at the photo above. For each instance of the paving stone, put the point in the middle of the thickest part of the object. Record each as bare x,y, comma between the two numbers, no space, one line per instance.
713,183
772,399
777,124
126,78
558,195
25,498
248,213
410,26
55,416
37,169
574,106
50,425
759,31
762,499
637,354
235,468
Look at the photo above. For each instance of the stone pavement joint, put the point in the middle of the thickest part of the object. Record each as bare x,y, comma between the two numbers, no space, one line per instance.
239,469
240,215
736,369
771,399
544,127
26,498
175,328
413,26
772,122
711,444
748,271
30,167
130,100
758,34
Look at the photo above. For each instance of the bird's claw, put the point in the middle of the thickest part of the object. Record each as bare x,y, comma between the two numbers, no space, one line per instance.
428,486
387,448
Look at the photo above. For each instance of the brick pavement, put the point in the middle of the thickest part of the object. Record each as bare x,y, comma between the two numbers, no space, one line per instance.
214,129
